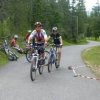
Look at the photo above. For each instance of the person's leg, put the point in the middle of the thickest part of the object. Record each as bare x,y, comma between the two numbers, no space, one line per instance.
59,55
18,49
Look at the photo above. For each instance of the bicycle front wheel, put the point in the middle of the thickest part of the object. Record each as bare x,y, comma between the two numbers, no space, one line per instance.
33,70
40,69
46,53
50,64
56,62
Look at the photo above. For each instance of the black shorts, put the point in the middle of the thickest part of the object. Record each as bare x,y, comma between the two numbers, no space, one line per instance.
40,48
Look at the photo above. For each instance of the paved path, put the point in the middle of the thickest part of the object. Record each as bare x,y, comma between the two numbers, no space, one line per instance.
15,83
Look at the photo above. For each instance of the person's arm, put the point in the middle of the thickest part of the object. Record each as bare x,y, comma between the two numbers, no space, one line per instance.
30,37
61,41
45,36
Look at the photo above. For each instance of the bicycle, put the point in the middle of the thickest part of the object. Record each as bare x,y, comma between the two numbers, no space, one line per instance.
5,48
38,61
53,58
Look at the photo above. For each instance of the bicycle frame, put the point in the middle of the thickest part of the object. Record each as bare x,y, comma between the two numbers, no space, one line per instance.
35,55
11,55
52,55
53,52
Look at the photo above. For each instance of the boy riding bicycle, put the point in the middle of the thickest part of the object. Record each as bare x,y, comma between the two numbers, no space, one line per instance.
39,35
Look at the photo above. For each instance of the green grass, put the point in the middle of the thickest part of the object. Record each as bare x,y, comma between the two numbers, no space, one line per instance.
3,59
81,42
93,39
92,57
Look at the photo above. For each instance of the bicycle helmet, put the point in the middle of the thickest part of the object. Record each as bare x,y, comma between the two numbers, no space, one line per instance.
38,24
29,31
54,29
16,36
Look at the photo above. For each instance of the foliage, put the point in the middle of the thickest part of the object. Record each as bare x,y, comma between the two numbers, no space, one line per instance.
93,28
17,16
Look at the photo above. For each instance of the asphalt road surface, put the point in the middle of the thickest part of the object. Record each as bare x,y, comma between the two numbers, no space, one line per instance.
15,82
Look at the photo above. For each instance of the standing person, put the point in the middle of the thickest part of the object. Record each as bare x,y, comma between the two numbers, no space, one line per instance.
39,35
57,40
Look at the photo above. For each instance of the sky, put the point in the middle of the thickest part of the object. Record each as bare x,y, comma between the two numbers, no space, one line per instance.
90,3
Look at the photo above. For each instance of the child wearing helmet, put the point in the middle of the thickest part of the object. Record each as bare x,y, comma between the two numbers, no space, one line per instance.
14,41
39,34
57,40
14,44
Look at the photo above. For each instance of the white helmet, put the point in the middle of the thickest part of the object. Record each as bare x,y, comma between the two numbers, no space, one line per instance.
38,23
29,31
16,36
54,29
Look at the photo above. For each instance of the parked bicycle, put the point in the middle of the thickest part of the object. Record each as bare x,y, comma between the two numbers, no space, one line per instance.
38,61
6,49
53,58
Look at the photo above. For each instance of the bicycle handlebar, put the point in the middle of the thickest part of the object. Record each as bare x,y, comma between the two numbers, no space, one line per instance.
55,45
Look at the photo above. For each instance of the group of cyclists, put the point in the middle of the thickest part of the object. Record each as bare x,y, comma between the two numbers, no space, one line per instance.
39,36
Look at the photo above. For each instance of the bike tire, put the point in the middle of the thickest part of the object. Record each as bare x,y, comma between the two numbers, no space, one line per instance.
50,65
40,68
33,70
10,58
28,55
15,57
56,62
47,57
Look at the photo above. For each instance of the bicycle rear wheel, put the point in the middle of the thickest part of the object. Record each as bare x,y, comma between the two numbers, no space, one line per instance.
29,55
33,70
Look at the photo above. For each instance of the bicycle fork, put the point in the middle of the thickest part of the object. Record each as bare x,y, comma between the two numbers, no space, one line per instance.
52,56
35,60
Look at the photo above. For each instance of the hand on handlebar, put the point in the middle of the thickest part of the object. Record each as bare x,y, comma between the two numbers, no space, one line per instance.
61,45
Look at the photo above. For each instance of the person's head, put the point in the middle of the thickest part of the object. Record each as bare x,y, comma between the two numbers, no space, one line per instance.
38,26
16,36
54,29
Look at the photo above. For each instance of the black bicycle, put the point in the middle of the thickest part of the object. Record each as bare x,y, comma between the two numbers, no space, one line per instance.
6,49
53,58
29,52
38,61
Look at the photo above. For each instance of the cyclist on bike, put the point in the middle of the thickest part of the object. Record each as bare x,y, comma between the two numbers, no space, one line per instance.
57,40
39,35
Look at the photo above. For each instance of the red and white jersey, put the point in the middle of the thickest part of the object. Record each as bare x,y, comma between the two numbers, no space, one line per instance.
39,37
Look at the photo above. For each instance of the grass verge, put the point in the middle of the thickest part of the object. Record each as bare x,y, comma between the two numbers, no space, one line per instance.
3,59
81,42
91,57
